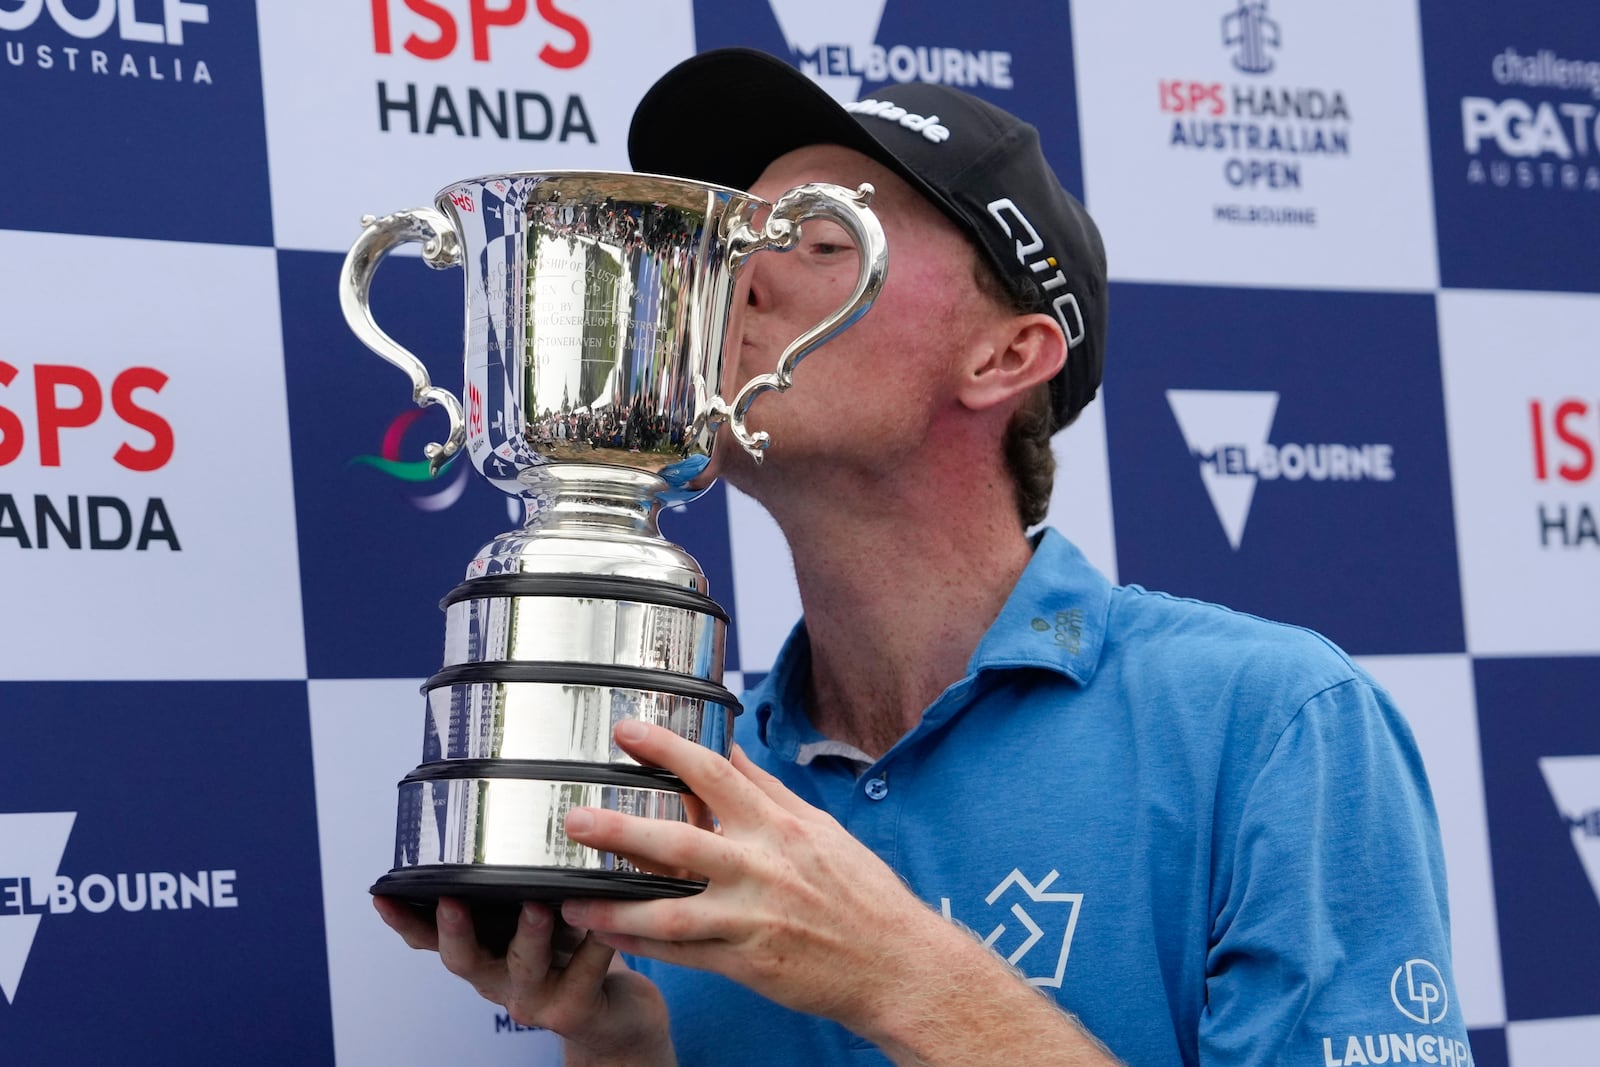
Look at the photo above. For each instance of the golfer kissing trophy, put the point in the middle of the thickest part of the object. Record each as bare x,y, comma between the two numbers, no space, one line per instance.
597,308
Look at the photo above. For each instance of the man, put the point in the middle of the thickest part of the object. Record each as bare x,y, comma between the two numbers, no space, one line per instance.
1222,821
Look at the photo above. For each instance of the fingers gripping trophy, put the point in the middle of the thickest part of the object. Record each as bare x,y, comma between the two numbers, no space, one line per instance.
597,307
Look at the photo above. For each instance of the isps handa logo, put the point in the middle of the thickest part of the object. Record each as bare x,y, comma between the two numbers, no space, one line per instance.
64,420
1269,137
1566,439
1227,433
416,32
107,39
426,492
32,888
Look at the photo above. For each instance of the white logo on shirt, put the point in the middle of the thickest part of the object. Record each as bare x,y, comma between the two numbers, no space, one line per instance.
1041,970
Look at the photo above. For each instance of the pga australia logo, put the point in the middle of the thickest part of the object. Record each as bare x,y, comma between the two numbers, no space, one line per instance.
1541,127
31,847
1026,931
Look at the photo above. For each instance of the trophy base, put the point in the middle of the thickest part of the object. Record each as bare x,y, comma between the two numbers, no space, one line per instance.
543,884
494,895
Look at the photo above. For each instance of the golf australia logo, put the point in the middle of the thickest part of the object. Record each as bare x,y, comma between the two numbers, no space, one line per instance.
1027,934
1227,433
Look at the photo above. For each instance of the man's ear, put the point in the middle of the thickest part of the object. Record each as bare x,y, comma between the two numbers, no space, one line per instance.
1017,355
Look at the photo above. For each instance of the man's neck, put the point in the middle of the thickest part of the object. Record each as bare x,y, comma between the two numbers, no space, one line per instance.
897,593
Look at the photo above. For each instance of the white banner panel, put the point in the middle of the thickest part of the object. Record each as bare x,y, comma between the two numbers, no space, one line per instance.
1436,695
391,1004
1524,430
372,108
144,452
1233,143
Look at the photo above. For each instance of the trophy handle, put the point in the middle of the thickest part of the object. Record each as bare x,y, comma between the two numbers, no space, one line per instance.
780,233
440,249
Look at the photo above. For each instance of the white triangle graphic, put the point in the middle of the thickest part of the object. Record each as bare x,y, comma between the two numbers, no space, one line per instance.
1574,784
30,847
1214,420
806,24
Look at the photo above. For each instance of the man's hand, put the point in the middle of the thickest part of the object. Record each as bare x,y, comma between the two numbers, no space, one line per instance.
606,1013
796,908
807,916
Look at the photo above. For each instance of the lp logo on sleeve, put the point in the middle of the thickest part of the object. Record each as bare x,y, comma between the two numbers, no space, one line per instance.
1422,996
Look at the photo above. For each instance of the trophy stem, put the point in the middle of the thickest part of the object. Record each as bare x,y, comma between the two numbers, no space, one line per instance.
574,497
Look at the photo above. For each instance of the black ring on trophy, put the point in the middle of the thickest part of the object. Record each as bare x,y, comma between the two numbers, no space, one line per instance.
585,586
636,775
644,679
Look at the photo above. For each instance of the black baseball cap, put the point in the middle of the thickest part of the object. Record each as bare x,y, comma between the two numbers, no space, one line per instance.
723,115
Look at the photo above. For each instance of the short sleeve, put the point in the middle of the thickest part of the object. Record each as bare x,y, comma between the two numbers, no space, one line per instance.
1330,943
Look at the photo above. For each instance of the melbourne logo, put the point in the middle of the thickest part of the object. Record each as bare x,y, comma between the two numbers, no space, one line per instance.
31,887
1566,436
114,42
427,495
42,425
1227,435
1574,784
1545,134
428,33
840,51
1269,138
1030,945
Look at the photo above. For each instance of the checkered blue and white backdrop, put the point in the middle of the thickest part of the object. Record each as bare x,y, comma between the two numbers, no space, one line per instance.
1353,382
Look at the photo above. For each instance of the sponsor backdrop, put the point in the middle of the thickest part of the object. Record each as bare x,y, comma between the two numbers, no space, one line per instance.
1353,383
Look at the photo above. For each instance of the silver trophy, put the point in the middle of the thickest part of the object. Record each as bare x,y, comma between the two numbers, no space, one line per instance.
596,311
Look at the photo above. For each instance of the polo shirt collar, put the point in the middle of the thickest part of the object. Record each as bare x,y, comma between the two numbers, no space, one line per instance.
1055,619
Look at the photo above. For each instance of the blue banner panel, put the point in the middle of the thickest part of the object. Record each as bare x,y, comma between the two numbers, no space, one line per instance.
1540,724
160,893
1514,117
1017,56
134,119
1283,452
380,541
1488,1047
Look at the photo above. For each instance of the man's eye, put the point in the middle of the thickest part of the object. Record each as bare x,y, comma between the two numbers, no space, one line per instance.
824,248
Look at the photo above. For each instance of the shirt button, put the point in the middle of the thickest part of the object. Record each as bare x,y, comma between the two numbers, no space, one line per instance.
877,789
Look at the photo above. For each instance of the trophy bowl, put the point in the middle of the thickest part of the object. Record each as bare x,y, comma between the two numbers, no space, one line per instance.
596,320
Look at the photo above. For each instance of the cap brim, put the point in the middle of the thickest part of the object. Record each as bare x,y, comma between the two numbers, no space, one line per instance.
723,116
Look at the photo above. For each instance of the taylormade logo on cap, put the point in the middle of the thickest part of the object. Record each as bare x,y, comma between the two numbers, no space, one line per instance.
928,126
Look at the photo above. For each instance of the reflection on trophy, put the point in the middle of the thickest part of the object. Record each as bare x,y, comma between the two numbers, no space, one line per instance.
597,306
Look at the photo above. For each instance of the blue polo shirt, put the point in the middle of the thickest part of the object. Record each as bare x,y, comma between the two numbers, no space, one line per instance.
1207,835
